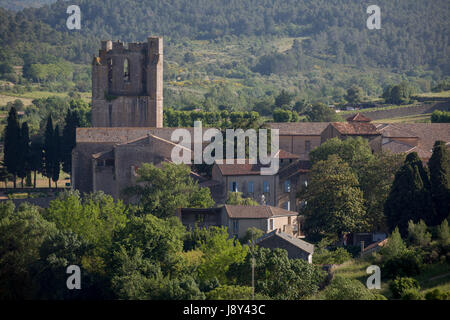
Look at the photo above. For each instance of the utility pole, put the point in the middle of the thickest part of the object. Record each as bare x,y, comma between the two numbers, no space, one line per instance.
253,278
252,243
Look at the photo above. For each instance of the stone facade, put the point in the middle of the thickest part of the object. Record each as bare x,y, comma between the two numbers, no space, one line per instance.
238,219
296,248
127,84
106,158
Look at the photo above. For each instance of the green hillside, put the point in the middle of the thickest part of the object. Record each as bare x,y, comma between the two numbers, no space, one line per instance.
238,52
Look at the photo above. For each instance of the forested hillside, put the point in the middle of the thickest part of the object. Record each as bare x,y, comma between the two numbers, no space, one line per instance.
413,32
316,49
21,4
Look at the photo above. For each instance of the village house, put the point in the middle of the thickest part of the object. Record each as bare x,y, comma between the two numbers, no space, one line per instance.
238,219
296,248
277,190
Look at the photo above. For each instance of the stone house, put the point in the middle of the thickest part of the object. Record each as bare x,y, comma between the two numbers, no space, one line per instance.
299,137
238,219
356,126
276,190
296,248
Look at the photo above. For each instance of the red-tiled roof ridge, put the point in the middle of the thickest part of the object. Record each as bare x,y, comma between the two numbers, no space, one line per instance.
355,128
283,154
359,117
256,212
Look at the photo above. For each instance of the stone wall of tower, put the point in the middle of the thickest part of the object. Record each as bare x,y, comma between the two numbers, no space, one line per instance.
133,99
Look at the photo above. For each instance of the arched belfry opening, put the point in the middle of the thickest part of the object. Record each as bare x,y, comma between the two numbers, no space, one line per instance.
129,78
126,70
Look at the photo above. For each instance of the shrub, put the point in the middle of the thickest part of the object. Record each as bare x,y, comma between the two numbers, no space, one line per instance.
405,265
338,256
348,289
401,284
417,233
412,294
437,294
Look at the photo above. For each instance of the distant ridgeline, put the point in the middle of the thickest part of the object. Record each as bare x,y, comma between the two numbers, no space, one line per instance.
17,5
413,32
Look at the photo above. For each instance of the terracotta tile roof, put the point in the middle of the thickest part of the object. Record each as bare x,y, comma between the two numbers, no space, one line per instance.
122,134
256,212
299,128
283,154
359,117
391,130
355,128
301,244
397,147
427,134
240,169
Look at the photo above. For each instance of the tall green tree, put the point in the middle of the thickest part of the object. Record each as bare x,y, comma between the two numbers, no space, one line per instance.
24,154
72,121
277,276
164,190
56,163
22,231
320,112
410,196
49,150
375,180
36,158
354,94
335,204
12,144
439,166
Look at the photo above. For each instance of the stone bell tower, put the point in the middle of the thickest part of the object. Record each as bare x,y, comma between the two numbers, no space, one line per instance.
127,84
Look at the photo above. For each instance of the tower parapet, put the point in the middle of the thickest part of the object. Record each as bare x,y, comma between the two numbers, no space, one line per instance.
127,84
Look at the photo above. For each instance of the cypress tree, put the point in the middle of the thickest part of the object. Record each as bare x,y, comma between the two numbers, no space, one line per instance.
439,166
24,154
410,197
49,152
12,149
36,157
69,140
57,156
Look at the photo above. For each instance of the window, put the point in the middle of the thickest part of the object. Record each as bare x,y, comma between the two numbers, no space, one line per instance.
233,186
126,70
235,226
266,187
307,146
109,162
287,186
270,224
250,187
289,220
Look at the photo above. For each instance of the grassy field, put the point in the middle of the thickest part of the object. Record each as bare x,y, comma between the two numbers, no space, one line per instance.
435,276
41,181
443,94
29,96
389,107
4,99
